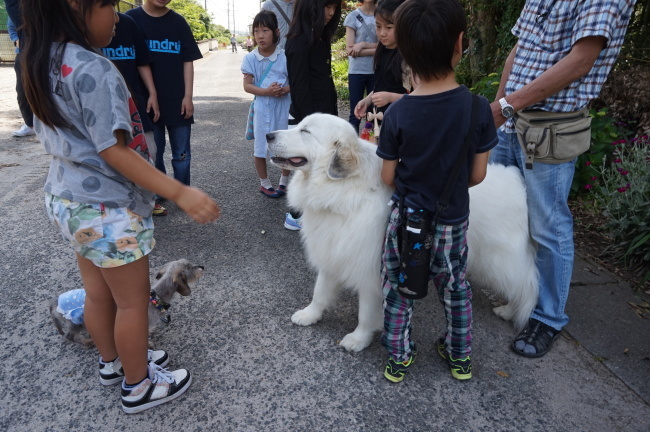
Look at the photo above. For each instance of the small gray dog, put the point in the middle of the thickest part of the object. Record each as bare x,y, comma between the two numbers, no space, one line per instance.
175,276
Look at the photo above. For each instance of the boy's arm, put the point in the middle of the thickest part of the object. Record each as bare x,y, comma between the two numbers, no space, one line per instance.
152,103
134,167
388,172
187,106
479,168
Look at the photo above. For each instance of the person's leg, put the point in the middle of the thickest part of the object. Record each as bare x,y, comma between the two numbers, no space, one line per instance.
398,310
551,226
356,87
99,309
260,167
159,143
129,285
23,105
179,140
449,266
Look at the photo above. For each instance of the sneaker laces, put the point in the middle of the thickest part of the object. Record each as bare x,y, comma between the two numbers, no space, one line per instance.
161,374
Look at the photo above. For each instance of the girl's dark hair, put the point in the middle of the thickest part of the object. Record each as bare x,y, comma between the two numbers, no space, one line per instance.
46,22
426,32
267,19
384,10
309,20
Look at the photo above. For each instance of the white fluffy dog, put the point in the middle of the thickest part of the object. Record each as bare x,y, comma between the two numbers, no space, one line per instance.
337,187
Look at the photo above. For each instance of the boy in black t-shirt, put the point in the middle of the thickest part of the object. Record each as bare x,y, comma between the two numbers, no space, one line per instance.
129,52
173,50
421,138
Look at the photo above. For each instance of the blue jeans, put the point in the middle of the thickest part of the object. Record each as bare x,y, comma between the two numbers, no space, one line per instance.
551,226
179,141
359,85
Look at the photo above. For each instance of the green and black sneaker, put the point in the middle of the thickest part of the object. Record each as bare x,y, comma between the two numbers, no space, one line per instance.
461,369
395,371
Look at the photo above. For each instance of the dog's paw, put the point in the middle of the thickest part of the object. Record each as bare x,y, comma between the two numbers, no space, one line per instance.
505,312
356,341
306,316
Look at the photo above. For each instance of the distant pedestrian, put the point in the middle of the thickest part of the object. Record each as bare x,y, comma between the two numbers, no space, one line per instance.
100,188
249,44
265,76
233,43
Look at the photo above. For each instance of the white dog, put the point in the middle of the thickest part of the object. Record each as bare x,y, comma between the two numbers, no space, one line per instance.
337,187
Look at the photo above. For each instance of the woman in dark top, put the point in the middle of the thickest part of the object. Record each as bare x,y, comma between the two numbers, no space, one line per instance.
308,52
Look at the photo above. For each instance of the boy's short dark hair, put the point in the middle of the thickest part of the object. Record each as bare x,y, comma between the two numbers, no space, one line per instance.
266,18
426,32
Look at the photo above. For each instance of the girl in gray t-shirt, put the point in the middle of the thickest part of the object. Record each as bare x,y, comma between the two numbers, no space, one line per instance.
100,187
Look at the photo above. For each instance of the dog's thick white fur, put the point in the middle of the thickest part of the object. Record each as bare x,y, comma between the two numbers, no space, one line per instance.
337,187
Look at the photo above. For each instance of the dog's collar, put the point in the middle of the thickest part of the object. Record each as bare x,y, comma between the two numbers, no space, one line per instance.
162,307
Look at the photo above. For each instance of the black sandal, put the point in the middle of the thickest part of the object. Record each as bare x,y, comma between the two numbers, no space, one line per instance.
537,335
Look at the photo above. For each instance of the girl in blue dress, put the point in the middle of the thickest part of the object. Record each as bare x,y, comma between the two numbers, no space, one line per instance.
265,76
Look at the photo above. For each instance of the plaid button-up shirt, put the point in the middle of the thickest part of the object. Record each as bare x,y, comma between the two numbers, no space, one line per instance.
547,29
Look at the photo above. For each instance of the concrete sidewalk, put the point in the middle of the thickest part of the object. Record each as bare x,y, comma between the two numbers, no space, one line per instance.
253,369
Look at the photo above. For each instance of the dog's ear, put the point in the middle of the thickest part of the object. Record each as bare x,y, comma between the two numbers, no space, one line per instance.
344,162
180,282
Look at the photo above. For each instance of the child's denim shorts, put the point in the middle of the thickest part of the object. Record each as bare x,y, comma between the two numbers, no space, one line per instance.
109,237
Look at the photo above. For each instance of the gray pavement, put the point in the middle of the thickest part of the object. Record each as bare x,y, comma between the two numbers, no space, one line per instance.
253,369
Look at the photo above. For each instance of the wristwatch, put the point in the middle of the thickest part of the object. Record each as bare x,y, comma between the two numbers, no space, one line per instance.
507,110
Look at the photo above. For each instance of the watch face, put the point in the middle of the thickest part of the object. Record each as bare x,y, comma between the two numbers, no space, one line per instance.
508,112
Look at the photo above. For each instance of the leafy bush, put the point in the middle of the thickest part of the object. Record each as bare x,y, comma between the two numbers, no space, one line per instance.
624,196
487,86
340,69
606,134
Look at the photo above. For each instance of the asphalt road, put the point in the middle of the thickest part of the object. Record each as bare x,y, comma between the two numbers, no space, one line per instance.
253,369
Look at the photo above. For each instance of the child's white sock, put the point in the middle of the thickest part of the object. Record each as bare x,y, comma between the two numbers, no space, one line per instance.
284,180
266,183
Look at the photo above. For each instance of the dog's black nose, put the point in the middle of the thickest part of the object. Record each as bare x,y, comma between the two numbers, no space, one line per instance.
270,136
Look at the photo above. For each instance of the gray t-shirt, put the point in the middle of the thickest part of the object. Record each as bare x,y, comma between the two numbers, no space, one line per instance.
283,25
93,98
364,31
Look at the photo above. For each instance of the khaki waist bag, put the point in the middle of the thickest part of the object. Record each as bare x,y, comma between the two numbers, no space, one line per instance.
553,138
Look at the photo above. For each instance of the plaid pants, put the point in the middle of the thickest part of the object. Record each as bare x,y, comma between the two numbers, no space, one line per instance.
447,269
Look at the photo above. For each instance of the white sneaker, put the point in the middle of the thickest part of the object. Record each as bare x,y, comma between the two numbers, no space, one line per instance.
112,372
159,387
292,223
24,131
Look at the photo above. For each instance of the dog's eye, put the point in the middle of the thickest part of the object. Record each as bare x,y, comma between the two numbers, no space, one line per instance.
305,131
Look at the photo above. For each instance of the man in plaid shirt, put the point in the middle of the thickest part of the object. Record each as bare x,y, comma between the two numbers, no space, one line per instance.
565,50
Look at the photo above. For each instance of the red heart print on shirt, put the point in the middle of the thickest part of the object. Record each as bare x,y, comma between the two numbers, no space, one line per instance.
65,70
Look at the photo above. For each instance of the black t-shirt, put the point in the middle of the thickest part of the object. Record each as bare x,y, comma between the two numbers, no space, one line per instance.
426,133
385,79
310,78
128,50
171,44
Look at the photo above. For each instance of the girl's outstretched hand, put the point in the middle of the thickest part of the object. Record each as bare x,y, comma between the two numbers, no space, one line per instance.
198,205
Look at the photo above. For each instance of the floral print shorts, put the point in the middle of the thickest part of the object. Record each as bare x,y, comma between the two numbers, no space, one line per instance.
109,237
